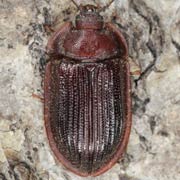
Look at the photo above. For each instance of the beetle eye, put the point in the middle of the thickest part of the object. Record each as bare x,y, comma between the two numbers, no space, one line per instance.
90,10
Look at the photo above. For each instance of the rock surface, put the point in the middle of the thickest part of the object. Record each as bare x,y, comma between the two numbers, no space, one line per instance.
152,31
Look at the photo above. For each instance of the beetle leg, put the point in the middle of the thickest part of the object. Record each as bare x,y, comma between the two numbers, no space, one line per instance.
135,69
39,97
48,28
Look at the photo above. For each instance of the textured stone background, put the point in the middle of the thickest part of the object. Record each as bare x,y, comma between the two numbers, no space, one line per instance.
152,29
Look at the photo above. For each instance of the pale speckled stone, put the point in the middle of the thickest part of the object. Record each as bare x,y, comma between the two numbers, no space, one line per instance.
12,140
161,91
2,155
153,149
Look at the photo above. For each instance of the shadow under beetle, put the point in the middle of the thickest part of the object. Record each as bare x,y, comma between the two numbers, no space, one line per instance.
88,94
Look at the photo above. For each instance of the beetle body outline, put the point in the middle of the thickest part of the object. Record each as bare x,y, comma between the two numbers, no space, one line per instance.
88,135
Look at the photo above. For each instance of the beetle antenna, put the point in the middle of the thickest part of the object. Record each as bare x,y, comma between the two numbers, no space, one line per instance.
75,4
106,6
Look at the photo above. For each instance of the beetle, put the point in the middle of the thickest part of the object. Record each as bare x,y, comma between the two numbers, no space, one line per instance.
87,94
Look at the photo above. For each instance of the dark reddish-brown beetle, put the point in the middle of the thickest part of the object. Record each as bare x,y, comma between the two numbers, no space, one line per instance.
87,94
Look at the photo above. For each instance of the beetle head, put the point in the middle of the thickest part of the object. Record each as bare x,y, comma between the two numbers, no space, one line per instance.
89,18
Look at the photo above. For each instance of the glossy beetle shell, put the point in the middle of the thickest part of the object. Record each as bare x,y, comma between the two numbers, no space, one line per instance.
87,95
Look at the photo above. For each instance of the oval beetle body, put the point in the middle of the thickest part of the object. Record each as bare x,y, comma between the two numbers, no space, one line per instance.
87,94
